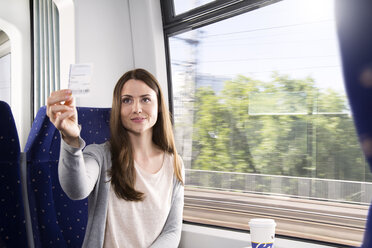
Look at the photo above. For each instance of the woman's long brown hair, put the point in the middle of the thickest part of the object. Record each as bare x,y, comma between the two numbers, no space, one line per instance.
122,173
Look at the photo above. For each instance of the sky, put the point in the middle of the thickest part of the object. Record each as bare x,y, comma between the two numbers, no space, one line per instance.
293,37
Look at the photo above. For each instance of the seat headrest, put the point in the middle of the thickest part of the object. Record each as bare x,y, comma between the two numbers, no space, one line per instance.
9,141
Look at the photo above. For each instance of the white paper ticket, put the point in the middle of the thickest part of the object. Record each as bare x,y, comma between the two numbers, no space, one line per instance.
80,78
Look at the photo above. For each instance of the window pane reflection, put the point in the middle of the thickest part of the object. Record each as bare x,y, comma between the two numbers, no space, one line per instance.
262,94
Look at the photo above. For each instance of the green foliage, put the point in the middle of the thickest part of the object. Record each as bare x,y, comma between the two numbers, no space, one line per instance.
283,127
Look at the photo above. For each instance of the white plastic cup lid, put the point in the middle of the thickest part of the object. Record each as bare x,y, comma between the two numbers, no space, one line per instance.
262,222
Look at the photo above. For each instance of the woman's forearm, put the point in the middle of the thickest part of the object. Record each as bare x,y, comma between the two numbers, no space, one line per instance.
77,175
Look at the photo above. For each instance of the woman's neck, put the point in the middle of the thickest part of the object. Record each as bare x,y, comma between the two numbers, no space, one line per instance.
143,146
147,155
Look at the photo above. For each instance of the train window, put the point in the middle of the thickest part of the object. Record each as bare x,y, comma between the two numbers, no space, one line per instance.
5,60
263,123
181,6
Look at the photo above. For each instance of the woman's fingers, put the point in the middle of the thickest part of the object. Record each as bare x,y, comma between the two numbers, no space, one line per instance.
57,97
70,101
55,109
62,118
62,113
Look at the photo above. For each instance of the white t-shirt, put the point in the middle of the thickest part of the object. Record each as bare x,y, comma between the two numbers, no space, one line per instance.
132,224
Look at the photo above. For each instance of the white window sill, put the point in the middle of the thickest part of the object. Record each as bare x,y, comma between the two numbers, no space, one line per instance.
194,236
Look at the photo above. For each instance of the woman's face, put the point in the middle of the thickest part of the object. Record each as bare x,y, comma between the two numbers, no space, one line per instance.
139,107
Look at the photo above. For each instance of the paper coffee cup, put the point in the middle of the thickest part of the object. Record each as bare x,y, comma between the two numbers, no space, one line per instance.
262,233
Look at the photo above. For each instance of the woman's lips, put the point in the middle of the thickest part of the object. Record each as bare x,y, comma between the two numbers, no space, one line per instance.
138,119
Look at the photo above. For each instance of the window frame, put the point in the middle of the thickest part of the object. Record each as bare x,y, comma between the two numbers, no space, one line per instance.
209,13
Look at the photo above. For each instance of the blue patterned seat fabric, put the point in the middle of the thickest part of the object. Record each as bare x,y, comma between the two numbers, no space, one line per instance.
12,220
58,221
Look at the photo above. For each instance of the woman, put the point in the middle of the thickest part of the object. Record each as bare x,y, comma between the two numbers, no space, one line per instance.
133,182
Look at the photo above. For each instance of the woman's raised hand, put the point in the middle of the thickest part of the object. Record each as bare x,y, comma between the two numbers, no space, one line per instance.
62,113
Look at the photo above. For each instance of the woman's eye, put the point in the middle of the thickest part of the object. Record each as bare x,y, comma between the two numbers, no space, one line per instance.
126,100
146,99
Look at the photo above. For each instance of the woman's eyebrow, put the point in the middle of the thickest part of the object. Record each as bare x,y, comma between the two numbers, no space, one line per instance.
145,95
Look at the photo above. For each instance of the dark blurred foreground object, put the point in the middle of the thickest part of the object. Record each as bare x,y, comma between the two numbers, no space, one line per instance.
354,27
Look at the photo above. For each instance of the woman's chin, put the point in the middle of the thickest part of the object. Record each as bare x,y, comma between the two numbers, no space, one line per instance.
139,131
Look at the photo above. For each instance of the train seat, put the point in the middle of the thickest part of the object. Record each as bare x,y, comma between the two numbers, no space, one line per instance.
58,221
12,218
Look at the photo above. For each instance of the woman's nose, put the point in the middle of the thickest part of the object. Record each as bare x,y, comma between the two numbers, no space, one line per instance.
137,108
